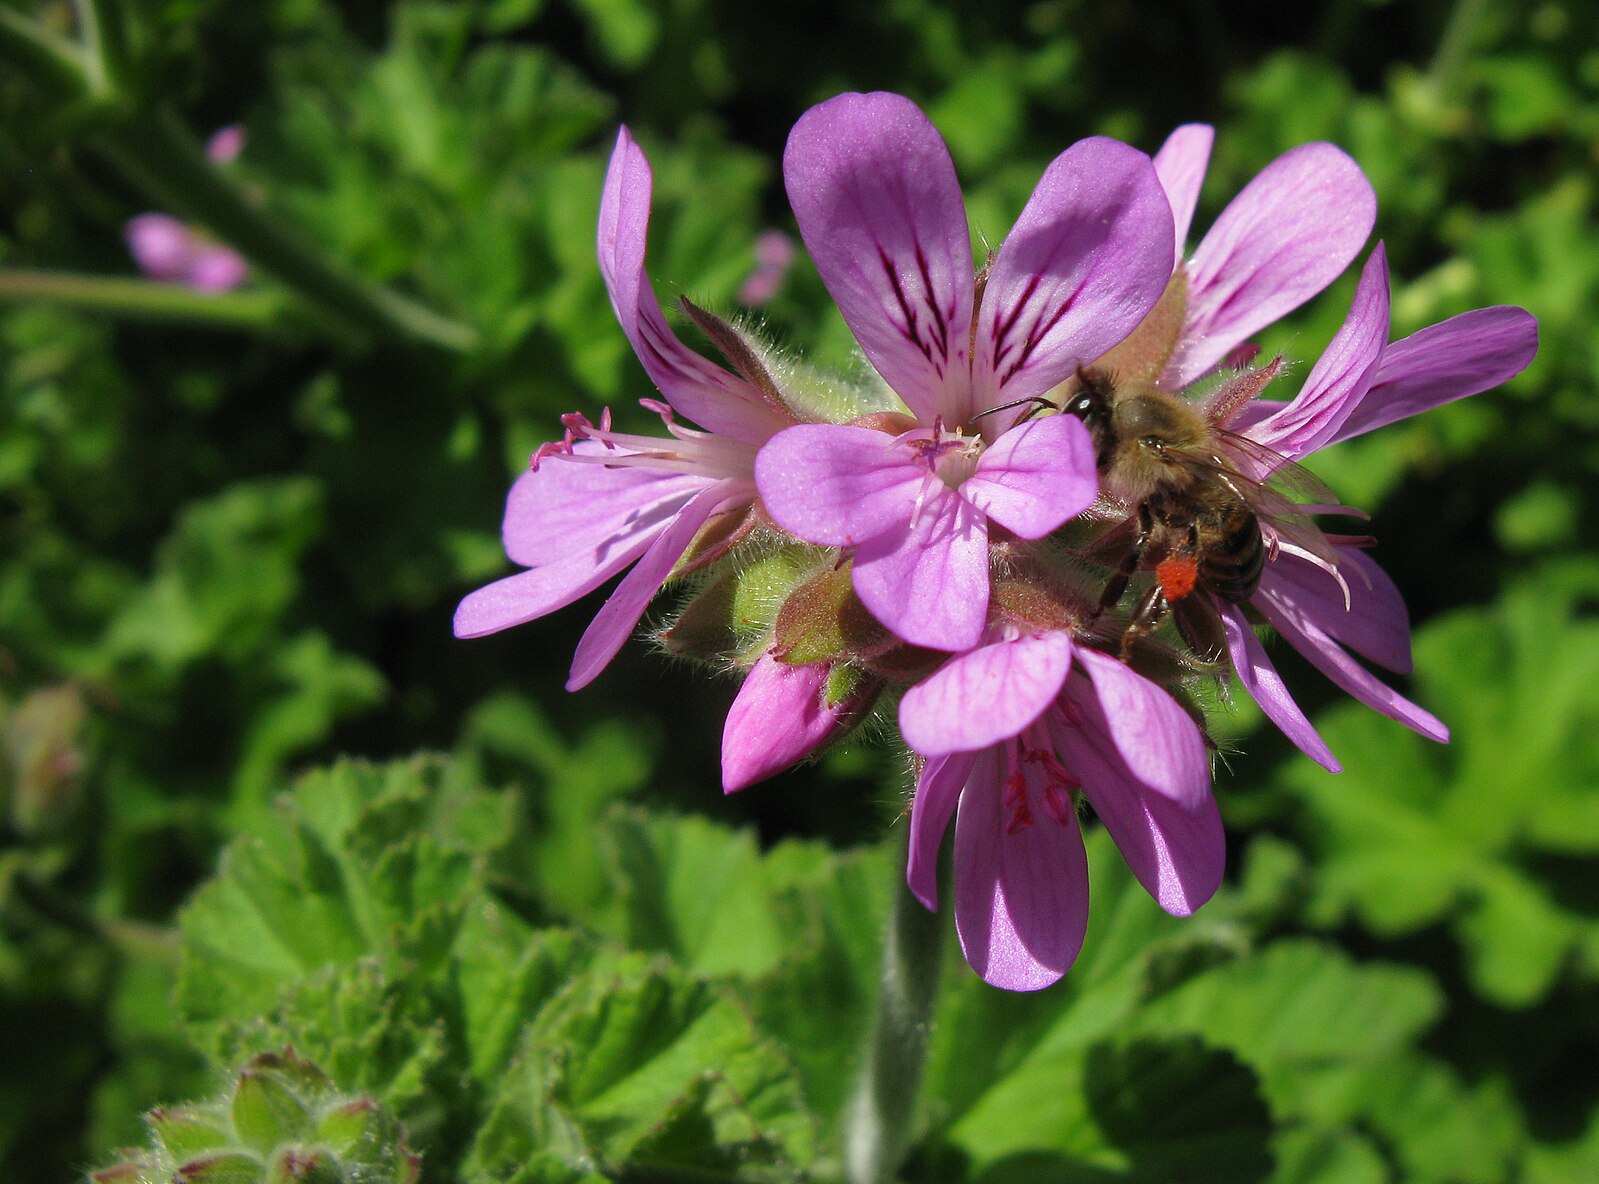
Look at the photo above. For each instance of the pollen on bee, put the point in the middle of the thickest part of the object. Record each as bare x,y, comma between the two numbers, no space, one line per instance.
1177,575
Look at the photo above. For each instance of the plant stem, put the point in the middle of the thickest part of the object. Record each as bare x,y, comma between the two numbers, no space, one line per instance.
51,63
124,936
141,298
877,1126
156,151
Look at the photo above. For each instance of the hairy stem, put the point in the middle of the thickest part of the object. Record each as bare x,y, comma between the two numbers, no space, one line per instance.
877,1127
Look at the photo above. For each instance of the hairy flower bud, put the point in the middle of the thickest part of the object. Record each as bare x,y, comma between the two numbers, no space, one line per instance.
280,1121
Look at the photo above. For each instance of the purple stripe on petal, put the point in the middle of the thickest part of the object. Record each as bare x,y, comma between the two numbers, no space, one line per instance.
1341,377
1180,164
614,623
1266,687
1469,353
1289,234
938,790
1177,850
1157,741
1375,625
985,696
1354,679
928,582
1085,262
838,486
880,210
781,716
1036,476
1021,900
712,397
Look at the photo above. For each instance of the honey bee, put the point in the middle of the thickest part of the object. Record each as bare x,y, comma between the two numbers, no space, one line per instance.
1198,514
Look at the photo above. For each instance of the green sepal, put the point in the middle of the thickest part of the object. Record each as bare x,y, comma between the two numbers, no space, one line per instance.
266,1113
186,1132
295,1165
823,619
225,1167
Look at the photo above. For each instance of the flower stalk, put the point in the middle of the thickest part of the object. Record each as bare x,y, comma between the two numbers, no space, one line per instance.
141,298
877,1125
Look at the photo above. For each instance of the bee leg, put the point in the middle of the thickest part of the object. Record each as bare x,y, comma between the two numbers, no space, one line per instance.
1129,564
1151,611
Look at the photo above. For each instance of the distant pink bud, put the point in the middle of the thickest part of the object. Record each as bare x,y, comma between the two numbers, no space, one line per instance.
161,245
225,144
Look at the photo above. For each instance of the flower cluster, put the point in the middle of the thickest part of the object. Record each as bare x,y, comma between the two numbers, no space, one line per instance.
1065,450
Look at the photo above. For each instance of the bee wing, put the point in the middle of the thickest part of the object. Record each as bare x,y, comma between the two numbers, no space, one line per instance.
1280,487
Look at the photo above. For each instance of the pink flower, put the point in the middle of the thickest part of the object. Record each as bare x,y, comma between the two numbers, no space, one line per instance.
783,714
1330,599
1014,731
602,501
1288,234
774,255
169,250
875,193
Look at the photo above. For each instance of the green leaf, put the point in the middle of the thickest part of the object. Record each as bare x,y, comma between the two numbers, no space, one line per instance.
641,1069
1412,834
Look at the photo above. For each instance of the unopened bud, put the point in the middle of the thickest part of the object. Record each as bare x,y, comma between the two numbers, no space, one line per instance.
266,1112
186,1133
224,1167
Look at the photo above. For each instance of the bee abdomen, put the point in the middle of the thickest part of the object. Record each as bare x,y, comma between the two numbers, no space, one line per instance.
1233,558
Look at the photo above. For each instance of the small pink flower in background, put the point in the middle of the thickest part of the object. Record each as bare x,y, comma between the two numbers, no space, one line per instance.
225,144
774,255
169,250
1014,731
879,207
603,501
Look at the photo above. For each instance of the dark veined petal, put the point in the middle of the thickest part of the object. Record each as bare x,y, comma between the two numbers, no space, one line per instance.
874,190
1086,261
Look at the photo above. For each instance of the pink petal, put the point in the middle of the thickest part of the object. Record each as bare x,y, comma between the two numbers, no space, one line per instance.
1472,352
712,397
928,583
1156,739
1354,679
1180,164
1289,234
1036,476
1084,263
572,553
1375,624
1341,377
985,696
216,268
838,486
614,623
1175,847
938,789
584,511
781,716
162,246
225,144
1021,900
880,210
1266,687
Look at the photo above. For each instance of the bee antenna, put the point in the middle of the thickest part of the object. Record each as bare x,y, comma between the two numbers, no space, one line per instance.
1035,400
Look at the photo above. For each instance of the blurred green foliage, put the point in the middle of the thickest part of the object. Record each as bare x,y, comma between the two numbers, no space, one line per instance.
231,552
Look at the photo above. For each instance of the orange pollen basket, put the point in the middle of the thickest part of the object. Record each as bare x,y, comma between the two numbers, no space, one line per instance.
1177,575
